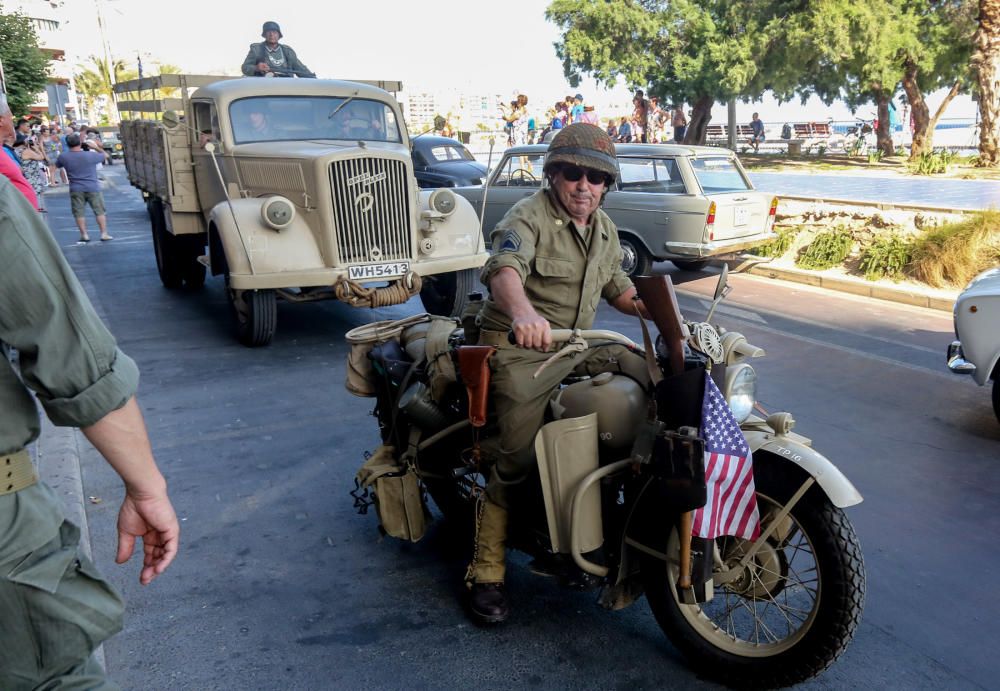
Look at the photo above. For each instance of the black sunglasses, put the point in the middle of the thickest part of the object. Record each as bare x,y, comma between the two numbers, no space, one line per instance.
594,177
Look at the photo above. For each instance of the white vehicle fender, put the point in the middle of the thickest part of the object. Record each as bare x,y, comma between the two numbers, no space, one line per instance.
449,225
834,483
252,247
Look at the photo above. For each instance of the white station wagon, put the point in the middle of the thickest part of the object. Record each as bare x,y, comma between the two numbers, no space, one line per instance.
685,204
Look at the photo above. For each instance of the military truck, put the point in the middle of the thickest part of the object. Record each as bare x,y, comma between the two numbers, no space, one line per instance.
292,189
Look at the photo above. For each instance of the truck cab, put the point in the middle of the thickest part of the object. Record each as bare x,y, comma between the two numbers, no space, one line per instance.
298,189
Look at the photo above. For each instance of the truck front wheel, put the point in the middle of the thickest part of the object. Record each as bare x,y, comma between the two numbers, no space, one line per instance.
256,314
448,294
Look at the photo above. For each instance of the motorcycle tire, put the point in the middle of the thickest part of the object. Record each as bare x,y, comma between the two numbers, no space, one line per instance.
793,611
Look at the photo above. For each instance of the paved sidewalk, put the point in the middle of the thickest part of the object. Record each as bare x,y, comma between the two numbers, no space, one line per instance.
904,293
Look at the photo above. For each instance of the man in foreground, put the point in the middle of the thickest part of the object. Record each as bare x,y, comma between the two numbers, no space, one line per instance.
84,185
55,608
555,255
270,58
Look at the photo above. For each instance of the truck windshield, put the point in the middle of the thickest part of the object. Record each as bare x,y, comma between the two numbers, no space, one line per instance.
298,118
719,174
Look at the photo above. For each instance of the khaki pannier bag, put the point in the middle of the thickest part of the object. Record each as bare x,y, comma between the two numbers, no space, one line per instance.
395,490
361,378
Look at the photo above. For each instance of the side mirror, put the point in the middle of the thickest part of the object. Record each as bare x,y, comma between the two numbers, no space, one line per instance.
171,120
720,288
210,147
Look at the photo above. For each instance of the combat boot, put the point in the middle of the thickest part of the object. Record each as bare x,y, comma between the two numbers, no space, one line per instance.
487,596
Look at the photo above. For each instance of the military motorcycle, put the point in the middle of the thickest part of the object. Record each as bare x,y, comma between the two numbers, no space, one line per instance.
620,467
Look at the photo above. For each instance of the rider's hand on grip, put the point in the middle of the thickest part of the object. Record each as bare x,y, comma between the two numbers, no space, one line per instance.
531,332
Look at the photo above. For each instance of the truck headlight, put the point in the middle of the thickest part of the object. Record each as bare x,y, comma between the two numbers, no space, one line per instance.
277,212
741,390
443,201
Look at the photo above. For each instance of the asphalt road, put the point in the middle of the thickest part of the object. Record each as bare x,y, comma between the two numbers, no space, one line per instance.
281,585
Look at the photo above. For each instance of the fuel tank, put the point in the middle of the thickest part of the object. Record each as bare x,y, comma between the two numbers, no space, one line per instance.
620,404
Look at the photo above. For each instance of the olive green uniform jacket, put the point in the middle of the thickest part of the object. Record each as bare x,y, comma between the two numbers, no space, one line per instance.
55,608
565,271
259,53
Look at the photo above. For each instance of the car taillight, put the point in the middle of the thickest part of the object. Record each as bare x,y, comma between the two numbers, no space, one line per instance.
710,222
774,208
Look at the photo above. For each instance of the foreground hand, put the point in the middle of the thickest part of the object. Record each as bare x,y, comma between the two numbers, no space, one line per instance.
151,519
532,332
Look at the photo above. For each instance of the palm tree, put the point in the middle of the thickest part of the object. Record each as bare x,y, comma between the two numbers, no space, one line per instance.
986,62
95,81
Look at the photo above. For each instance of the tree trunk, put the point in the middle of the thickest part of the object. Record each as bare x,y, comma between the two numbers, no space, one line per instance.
986,62
919,109
952,93
883,136
701,115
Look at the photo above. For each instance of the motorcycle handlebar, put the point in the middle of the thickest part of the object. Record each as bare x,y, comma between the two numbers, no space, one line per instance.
563,335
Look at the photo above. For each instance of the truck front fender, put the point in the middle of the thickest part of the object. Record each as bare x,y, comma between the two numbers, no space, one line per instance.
252,247
449,228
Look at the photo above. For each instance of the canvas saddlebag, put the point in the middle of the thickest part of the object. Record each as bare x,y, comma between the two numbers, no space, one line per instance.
394,488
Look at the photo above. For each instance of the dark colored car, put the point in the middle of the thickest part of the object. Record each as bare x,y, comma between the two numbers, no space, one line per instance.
445,162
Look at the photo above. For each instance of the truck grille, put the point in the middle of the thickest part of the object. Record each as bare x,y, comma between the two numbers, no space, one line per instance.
371,210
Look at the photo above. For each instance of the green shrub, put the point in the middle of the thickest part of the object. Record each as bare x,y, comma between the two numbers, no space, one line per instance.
778,246
950,255
932,162
886,257
826,250
875,155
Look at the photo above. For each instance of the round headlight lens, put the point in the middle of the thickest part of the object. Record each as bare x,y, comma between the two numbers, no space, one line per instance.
741,391
277,212
443,201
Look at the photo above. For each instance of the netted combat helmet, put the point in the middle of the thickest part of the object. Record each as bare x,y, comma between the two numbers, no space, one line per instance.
584,145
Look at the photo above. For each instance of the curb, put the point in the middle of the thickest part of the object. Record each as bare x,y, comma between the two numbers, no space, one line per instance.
881,206
856,287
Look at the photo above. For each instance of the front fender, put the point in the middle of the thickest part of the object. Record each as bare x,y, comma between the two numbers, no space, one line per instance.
452,235
834,483
253,248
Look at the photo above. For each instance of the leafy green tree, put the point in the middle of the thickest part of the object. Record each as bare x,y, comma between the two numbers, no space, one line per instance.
986,62
25,66
685,51
94,81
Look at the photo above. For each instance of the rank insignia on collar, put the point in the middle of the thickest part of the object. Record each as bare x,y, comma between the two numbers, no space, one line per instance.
511,241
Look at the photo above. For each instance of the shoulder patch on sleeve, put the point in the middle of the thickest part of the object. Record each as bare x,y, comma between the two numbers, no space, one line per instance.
511,241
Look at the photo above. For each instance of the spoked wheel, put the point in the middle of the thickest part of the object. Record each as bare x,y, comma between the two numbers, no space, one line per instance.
785,616
690,264
256,314
635,259
448,294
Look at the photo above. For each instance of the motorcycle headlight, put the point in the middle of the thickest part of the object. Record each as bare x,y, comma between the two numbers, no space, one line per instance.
741,390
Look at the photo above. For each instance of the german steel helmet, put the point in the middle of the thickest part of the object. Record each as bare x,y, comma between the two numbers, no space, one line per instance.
584,145
271,26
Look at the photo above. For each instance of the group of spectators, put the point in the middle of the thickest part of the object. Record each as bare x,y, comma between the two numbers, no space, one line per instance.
649,122
39,155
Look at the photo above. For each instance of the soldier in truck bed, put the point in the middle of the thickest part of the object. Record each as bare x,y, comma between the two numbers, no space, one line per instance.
269,58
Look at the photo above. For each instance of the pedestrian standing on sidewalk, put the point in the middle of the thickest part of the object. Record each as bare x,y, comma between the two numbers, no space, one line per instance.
10,164
55,608
84,187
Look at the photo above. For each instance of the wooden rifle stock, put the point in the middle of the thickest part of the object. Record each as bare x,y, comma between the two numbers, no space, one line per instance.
657,293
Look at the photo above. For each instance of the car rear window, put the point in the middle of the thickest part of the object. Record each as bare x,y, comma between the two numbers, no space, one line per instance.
451,153
651,175
719,174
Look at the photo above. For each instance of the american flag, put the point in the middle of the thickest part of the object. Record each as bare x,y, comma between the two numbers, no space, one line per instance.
731,508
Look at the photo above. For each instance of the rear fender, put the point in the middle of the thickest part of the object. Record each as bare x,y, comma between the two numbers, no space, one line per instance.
251,247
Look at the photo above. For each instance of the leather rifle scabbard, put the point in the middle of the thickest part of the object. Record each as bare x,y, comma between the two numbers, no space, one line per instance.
657,293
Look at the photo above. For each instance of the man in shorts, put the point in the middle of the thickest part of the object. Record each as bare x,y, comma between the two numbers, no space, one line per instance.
84,186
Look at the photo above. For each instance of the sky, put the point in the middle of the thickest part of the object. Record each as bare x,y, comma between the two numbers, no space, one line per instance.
503,47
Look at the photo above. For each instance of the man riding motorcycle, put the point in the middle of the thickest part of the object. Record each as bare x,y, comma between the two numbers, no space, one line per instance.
554,255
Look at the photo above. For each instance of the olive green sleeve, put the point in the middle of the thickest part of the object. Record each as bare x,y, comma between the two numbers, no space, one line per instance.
513,242
619,281
250,62
67,356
